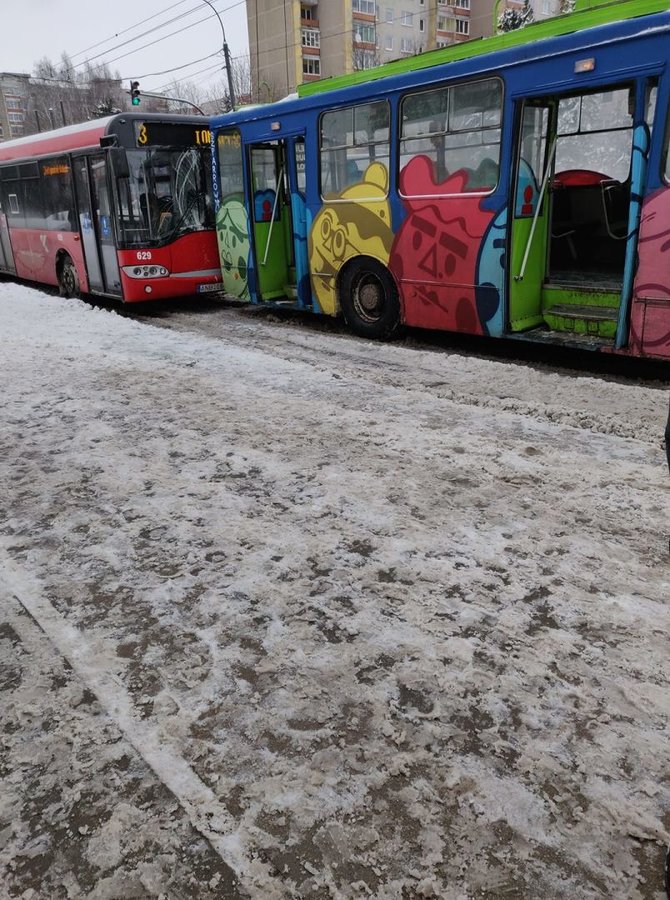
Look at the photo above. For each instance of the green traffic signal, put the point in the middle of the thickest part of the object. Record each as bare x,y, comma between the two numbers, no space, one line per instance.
135,93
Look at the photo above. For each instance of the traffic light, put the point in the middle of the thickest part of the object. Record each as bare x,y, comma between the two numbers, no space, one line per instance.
135,93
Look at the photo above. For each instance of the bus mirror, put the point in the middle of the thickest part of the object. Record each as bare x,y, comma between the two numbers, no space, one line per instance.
119,163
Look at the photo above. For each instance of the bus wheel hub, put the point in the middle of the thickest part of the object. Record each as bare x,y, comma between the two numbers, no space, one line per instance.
369,298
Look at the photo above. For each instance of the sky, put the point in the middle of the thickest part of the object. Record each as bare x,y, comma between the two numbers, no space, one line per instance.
94,29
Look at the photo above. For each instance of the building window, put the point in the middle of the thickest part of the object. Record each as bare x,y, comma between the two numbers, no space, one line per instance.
422,26
462,4
388,42
307,14
406,45
462,26
351,139
406,18
389,15
13,103
365,34
363,6
366,60
16,117
311,66
311,38
446,23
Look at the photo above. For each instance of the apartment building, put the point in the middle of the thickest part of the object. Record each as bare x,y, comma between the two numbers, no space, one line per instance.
13,104
292,41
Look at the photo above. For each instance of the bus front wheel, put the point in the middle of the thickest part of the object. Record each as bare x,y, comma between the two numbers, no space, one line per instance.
68,280
369,300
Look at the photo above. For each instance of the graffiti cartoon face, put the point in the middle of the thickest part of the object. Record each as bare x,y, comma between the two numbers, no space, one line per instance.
356,222
233,238
435,254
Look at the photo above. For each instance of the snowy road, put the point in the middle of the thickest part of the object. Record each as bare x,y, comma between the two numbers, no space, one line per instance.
289,614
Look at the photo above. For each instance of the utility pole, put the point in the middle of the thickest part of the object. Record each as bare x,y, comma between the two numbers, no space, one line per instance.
226,56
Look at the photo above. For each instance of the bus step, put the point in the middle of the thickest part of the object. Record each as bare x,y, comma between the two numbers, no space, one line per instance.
587,313
570,339
291,291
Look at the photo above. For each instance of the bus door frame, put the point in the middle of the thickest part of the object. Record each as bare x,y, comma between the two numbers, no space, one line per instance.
102,268
529,220
293,202
7,263
529,269
638,180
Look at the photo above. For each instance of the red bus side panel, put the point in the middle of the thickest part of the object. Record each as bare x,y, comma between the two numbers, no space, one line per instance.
36,253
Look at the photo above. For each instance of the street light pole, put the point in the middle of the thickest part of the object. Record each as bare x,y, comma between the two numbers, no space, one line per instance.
226,56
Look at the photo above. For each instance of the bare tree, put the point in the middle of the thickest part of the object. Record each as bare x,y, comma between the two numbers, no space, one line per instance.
215,97
511,19
62,93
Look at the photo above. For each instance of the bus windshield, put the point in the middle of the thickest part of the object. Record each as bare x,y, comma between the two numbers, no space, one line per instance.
166,194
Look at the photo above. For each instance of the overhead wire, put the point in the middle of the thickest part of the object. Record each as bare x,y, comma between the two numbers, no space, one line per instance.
130,28
175,68
158,40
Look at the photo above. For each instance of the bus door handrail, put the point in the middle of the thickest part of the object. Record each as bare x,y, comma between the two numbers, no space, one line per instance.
280,181
543,188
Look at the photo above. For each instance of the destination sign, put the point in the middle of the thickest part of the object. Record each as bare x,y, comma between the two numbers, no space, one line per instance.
169,134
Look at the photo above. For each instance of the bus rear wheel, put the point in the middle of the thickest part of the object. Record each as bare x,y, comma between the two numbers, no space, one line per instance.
68,280
369,300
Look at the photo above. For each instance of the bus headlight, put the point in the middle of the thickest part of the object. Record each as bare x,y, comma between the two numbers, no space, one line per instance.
145,271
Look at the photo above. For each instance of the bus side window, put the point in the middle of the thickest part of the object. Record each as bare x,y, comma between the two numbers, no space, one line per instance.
351,139
459,130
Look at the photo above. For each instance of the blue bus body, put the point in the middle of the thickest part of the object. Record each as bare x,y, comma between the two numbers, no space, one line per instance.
520,193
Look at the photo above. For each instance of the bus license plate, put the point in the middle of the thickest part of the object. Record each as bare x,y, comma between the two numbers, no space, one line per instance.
206,288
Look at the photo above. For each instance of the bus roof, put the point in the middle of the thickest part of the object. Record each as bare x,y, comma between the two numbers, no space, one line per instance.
588,16
85,134
72,137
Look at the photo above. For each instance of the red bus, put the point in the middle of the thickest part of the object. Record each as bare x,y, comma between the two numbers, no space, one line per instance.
119,207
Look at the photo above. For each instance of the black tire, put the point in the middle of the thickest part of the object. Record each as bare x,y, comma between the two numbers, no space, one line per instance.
369,299
68,280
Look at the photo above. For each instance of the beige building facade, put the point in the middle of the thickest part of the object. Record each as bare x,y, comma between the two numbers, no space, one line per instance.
13,104
293,41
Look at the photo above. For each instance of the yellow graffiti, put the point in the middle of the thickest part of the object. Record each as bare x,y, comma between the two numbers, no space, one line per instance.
356,222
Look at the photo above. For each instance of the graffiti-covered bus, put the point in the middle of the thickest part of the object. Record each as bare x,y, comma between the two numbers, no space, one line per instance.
517,186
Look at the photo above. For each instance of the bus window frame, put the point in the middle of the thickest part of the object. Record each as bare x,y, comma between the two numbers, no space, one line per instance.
352,106
493,76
